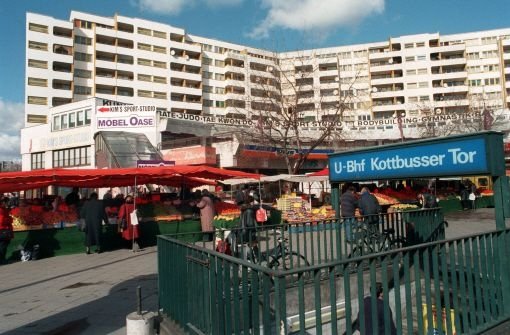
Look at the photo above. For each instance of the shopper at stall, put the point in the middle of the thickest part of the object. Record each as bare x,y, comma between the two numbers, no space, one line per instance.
348,205
94,214
73,198
6,230
427,200
369,206
129,232
207,212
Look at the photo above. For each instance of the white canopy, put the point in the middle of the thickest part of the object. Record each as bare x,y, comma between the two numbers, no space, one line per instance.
266,179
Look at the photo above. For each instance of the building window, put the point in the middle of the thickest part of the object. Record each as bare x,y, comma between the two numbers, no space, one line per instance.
63,121
423,71
82,90
144,31
34,118
207,89
207,61
88,113
83,57
159,95
37,100
219,90
37,46
159,34
72,120
80,121
144,94
82,73
421,57
37,82
207,103
40,64
161,65
161,50
82,24
409,45
219,76
56,122
492,81
37,161
220,104
420,44
144,62
410,59
144,77
38,27
82,40
207,75
143,46
71,157
423,84
161,80
219,63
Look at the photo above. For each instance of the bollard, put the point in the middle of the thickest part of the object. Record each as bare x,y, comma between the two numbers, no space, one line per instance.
140,322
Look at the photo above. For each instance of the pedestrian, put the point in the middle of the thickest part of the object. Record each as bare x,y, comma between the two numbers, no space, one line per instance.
207,212
348,205
369,206
427,200
6,229
370,328
73,198
94,214
129,231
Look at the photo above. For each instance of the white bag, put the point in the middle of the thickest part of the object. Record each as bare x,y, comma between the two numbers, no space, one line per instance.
134,218
472,196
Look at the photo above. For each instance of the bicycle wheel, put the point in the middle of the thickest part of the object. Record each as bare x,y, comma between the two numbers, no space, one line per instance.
293,260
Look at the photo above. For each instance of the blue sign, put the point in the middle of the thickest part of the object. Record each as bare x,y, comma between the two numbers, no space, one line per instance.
462,156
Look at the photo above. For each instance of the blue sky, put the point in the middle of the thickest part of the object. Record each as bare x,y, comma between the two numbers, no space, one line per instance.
270,24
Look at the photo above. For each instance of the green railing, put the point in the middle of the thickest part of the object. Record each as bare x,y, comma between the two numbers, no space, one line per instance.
456,281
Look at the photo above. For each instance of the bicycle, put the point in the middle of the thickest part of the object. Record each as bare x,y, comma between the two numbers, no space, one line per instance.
367,239
279,257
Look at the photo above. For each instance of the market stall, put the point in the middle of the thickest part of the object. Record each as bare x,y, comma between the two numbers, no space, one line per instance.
35,220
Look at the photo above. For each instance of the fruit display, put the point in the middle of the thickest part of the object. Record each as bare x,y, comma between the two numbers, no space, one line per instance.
404,207
385,199
228,209
295,209
24,218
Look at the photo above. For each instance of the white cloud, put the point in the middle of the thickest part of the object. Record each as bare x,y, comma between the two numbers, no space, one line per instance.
176,6
315,15
12,114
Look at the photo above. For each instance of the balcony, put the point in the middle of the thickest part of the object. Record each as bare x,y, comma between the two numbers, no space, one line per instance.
449,48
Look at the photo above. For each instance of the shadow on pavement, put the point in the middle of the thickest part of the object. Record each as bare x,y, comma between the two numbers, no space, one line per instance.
102,316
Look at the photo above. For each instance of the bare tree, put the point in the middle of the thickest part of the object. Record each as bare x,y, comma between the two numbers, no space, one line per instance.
482,113
297,105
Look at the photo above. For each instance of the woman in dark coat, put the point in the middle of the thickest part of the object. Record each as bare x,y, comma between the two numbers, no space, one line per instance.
94,214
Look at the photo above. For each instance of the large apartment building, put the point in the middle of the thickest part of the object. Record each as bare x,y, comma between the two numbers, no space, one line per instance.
415,79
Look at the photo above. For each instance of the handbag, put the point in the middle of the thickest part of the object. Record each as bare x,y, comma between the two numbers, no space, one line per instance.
5,234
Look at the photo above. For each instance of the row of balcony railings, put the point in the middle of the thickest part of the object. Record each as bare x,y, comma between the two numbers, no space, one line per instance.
308,278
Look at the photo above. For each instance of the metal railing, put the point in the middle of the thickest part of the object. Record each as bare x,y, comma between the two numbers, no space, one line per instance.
456,281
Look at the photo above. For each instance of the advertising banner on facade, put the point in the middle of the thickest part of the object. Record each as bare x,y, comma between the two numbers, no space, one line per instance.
153,163
116,120
191,155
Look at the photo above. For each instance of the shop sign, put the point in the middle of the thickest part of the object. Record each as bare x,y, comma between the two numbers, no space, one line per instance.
122,120
63,141
153,163
126,109
244,123
191,155
455,156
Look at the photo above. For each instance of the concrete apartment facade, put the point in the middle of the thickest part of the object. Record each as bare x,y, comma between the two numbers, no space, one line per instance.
410,86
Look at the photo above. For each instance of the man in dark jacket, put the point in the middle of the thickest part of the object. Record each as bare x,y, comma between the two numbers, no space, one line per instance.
348,205
367,309
94,214
369,206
